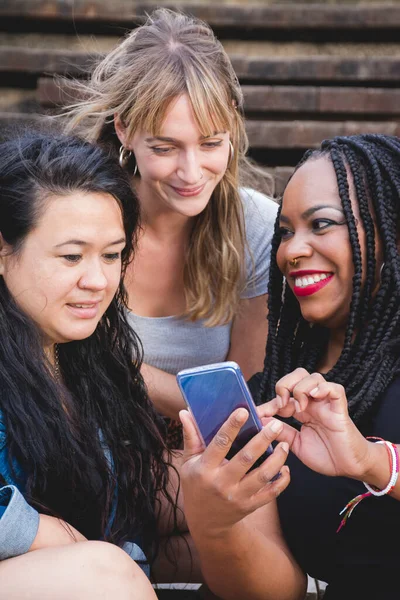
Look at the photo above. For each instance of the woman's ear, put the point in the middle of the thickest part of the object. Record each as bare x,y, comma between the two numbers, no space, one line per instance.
120,129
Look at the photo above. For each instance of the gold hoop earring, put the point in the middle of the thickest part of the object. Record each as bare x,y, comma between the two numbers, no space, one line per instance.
293,262
231,153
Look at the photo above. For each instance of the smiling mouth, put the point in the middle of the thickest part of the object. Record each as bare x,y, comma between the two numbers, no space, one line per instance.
311,283
189,191
84,311
303,282
86,305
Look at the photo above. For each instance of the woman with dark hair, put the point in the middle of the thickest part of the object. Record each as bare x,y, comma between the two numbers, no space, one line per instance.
332,367
68,222
81,453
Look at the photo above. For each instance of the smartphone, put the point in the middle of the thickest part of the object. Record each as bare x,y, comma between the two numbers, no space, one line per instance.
212,393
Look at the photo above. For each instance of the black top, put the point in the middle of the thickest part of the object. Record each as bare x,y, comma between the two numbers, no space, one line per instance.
362,561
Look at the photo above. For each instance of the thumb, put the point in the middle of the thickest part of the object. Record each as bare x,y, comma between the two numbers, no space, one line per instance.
192,442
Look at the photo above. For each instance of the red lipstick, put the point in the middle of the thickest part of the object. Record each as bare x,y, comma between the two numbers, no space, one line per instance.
312,288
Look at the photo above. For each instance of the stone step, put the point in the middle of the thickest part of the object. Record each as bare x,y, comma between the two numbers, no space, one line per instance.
293,134
250,48
335,70
261,99
221,15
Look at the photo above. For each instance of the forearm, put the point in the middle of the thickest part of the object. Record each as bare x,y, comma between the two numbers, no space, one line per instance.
177,560
163,391
245,559
232,515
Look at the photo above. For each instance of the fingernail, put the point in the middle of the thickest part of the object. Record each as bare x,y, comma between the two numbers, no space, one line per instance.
314,391
285,447
279,401
275,425
297,406
241,415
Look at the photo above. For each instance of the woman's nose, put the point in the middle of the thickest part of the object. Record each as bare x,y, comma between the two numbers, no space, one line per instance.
94,278
189,168
297,248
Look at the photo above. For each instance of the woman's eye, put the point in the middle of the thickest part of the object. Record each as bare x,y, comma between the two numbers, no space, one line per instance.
284,233
73,258
162,149
112,257
215,144
322,224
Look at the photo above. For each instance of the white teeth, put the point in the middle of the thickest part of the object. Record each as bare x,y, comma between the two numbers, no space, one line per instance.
83,305
310,279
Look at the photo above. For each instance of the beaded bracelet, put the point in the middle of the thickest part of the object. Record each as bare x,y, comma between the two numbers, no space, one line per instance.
372,490
394,463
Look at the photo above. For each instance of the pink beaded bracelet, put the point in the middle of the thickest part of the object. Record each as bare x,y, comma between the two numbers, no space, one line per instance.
373,491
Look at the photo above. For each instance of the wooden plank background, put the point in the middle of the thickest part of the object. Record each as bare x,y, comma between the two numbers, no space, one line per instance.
309,71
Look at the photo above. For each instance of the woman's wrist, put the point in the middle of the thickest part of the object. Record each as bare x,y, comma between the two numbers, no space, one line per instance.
218,535
378,468
373,477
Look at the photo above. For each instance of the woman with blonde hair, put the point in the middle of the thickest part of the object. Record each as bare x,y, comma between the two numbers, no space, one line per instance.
168,101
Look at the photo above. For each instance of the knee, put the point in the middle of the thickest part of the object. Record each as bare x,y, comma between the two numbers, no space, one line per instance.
114,572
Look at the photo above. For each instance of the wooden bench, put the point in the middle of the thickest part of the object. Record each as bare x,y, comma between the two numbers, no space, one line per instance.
308,71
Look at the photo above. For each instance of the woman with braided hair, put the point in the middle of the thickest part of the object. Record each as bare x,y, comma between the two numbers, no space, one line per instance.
332,367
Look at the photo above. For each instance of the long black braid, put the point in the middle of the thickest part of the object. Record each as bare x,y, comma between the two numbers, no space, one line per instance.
370,358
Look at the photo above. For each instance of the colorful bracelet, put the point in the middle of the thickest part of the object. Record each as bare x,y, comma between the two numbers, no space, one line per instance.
394,463
373,491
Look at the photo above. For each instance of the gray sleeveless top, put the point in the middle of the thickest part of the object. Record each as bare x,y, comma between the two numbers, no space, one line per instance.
173,343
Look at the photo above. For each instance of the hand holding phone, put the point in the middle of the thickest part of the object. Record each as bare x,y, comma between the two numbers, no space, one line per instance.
211,393
219,493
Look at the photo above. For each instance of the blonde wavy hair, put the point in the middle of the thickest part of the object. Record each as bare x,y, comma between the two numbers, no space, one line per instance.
169,55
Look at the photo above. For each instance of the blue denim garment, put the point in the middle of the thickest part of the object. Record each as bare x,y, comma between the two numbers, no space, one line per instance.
4,466
19,522
137,554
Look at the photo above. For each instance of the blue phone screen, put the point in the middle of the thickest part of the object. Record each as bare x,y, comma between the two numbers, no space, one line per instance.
213,394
